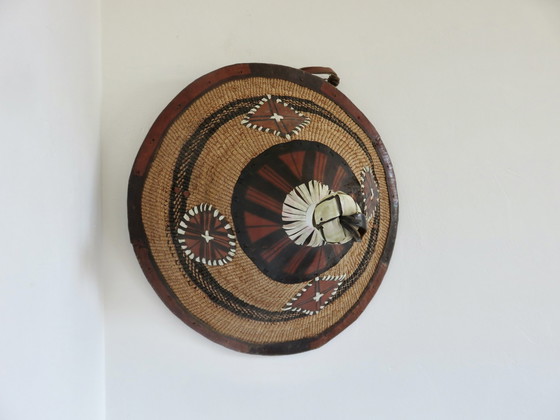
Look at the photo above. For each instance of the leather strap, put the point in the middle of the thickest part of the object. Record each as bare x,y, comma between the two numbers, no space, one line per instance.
333,78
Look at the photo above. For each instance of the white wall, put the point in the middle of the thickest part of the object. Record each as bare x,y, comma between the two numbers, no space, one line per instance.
466,96
51,315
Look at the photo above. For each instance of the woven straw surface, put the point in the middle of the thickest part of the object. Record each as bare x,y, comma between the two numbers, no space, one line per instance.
226,153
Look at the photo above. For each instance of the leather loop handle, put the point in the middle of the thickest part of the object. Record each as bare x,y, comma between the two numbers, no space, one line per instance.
333,78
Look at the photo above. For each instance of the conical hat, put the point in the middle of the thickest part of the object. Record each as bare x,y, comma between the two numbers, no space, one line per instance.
223,203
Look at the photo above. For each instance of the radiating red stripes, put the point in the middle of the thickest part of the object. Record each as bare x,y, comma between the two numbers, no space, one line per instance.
337,180
275,249
318,262
258,227
320,165
275,179
294,161
263,199
294,264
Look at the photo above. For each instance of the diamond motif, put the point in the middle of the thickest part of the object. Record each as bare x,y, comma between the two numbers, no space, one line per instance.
273,115
315,295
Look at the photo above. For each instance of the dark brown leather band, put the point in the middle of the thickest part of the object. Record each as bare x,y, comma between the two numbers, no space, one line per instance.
333,77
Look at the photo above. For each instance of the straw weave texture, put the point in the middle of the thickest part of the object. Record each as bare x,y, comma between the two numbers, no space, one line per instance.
212,178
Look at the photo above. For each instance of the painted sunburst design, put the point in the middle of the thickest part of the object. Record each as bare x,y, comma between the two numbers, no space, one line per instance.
258,201
205,236
370,192
273,115
297,213
315,295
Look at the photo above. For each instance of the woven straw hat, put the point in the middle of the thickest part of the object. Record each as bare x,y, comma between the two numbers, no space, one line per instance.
263,208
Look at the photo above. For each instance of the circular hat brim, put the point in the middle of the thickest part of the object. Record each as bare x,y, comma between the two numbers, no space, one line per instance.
150,148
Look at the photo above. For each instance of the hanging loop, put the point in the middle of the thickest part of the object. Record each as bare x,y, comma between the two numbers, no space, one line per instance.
333,78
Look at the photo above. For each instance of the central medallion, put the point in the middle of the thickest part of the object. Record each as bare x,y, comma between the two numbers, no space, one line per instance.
262,226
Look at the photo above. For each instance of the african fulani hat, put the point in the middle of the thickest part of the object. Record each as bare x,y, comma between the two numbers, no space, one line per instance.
263,208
